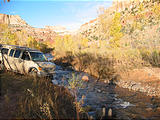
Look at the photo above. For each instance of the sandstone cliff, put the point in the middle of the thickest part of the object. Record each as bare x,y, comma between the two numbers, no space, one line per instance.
13,20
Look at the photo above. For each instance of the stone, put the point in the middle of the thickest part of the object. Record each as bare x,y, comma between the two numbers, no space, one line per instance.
110,112
104,92
103,112
149,109
98,90
85,78
106,81
55,82
91,118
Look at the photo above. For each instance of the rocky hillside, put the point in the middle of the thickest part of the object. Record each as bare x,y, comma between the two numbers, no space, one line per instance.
126,22
17,24
12,20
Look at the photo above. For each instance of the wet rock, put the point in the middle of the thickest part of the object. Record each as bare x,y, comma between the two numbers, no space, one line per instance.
55,82
91,118
105,81
125,104
85,78
98,90
149,109
105,92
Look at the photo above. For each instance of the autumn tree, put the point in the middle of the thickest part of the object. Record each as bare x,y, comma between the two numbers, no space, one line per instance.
115,31
6,36
32,43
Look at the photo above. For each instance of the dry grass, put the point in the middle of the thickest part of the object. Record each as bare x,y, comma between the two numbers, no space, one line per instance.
103,63
25,97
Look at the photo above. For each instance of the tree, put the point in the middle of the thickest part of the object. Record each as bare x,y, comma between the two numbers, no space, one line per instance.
32,43
115,31
6,36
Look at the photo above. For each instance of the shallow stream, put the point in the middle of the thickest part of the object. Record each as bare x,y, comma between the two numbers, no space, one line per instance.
109,99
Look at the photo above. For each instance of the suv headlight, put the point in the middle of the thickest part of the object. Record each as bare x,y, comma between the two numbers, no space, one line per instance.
40,68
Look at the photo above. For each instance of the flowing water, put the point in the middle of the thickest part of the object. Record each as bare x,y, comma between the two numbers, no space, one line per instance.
110,100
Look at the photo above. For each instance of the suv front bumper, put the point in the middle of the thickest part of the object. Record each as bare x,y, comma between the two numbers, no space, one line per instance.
45,74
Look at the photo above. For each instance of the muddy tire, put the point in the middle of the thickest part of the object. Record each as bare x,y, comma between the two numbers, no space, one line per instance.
33,72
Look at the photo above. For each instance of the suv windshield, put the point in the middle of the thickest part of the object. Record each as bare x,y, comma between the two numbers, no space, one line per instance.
37,56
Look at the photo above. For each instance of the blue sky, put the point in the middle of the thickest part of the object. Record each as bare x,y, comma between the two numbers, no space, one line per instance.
68,13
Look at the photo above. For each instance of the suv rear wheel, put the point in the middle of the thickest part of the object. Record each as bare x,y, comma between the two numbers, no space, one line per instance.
1,66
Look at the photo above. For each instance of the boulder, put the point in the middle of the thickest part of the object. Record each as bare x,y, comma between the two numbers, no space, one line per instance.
85,78
110,112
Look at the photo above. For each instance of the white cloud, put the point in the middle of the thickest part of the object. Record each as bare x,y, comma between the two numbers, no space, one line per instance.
89,12
84,14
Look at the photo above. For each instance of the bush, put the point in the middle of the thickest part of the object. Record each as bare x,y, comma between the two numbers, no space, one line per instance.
151,56
43,100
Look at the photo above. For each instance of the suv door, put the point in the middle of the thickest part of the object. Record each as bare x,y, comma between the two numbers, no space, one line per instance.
26,62
17,61
5,57
11,59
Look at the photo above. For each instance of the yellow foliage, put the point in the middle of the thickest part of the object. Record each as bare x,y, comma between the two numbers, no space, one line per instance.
6,36
84,42
65,44
141,8
156,8
58,44
32,43
10,38
68,43
115,31
22,37
137,25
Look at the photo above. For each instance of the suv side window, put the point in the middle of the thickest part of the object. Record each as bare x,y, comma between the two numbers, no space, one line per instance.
11,52
25,56
5,51
17,53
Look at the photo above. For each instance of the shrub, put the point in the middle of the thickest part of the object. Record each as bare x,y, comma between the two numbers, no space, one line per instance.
43,100
151,56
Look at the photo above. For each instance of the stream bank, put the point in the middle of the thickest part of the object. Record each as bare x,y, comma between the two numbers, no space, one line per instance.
145,79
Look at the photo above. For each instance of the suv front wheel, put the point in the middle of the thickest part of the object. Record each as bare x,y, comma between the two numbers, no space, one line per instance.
33,72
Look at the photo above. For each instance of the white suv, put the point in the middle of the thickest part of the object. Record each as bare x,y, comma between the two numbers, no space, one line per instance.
25,60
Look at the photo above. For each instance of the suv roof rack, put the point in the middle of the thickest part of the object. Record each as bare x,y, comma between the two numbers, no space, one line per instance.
16,47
